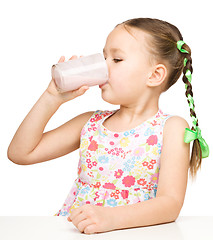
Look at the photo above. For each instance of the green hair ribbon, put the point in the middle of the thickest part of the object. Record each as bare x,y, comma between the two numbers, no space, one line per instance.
191,135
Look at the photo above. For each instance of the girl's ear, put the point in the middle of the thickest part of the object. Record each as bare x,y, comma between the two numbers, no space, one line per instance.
158,76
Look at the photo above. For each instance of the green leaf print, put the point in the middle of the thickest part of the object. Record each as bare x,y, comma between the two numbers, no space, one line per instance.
98,175
112,166
83,153
81,199
101,146
115,181
142,145
86,197
96,133
157,170
147,148
138,177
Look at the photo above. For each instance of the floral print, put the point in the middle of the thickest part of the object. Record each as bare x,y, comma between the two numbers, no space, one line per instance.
116,168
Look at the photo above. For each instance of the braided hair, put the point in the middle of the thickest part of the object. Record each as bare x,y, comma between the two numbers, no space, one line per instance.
187,71
163,47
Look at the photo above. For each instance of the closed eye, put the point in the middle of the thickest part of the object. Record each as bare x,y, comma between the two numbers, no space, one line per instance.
117,60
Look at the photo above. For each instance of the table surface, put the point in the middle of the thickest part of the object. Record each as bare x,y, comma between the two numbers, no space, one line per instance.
39,228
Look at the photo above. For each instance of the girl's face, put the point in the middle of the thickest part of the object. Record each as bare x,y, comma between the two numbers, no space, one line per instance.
129,66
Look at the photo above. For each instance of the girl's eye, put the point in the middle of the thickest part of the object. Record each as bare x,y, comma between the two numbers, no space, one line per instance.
117,60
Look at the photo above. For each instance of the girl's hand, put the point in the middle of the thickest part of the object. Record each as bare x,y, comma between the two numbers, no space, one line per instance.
65,96
92,219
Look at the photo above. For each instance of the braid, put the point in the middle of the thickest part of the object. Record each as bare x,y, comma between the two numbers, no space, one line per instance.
188,86
196,158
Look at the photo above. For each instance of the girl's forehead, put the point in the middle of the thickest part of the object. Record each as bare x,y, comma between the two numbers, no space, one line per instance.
119,35
125,39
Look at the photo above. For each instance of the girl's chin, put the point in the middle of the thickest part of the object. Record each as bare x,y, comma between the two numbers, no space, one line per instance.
109,100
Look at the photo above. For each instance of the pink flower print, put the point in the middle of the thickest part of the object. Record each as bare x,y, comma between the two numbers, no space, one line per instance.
79,170
97,185
124,194
116,135
101,169
141,181
97,196
103,194
152,140
128,181
109,186
150,166
89,165
92,127
145,164
93,146
91,174
116,196
154,178
90,138
138,151
83,131
94,163
99,204
158,115
150,187
113,194
153,161
154,123
88,154
107,113
118,173
96,118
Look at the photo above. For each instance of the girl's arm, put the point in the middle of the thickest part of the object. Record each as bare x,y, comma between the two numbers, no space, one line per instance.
172,183
30,145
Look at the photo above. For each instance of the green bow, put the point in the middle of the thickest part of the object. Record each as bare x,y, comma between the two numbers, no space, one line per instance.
191,135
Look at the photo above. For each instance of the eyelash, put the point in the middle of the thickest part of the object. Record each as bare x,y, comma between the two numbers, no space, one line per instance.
116,60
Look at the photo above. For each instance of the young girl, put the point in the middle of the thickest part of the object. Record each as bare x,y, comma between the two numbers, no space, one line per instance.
134,161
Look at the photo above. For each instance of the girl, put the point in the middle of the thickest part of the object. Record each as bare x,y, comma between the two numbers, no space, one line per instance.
129,155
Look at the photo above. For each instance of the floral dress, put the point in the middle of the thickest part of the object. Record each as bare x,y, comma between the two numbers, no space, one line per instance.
116,168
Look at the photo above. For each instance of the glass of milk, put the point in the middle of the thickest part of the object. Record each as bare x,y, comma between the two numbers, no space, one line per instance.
84,71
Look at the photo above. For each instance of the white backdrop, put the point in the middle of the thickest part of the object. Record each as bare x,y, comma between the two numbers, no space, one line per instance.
34,34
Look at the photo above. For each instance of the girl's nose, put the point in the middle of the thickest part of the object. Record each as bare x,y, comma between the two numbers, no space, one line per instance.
108,68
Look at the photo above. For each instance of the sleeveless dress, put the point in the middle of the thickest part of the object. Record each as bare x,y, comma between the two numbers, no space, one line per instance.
116,168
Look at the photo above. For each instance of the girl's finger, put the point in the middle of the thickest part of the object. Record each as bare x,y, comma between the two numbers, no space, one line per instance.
73,57
85,225
62,58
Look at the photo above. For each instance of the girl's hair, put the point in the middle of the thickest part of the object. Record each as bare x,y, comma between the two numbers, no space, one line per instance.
163,47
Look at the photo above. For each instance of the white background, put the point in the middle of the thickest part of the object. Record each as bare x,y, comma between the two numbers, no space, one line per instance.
34,34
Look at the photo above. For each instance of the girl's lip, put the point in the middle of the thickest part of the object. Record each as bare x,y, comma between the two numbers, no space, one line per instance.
100,86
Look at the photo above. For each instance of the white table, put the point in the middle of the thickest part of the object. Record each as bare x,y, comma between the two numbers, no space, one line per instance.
39,228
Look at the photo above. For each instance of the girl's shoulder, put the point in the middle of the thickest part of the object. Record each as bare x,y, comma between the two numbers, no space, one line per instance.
175,124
